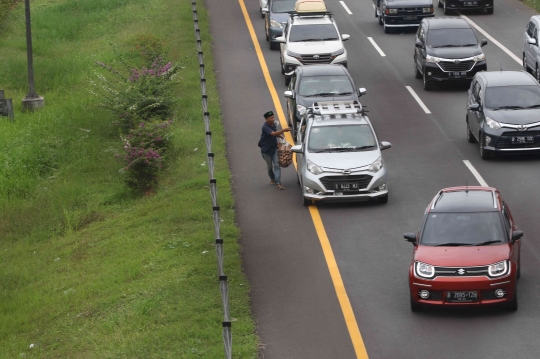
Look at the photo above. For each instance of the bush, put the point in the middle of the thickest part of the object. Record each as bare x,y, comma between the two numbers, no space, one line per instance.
144,149
136,94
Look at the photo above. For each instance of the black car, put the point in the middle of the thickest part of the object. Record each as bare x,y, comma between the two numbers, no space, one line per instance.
452,5
447,49
503,112
318,83
402,13
276,16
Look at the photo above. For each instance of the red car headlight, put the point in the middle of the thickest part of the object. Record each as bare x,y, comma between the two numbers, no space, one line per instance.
424,270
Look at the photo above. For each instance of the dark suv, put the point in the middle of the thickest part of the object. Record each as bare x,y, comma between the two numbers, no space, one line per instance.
315,83
503,112
451,5
447,49
402,13
275,19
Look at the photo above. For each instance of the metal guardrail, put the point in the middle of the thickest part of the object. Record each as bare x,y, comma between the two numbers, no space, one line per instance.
223,284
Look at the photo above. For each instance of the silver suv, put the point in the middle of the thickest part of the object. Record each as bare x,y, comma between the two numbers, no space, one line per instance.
339,156
311,38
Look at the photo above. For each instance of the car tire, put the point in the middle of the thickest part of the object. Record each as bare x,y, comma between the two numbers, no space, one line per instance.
266,35
415,307
512,306
380,19
484,154
262,15
470,136
428,86
383,199
525,67
417,74
439,4
287,80
385,28
490,11
282,67
446,10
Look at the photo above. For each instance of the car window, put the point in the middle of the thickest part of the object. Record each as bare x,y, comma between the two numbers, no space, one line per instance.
507,221
531,29
293,82
329,85
465,228
336,137
515,97
451,38
476,92
280,6
320,32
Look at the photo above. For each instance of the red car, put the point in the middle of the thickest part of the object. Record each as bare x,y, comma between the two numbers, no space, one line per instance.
467,252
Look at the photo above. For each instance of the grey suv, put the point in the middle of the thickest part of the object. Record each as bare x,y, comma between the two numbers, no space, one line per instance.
339,156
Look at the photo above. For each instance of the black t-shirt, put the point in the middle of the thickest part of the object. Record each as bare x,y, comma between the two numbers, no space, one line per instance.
268,142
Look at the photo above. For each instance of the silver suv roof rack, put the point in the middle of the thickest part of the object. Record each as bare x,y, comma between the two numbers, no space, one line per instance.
337,107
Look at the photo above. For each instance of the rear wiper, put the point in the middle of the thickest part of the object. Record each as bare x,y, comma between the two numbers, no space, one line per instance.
452,244
509,108
486,243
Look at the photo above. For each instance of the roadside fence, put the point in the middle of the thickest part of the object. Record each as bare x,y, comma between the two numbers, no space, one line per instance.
223,284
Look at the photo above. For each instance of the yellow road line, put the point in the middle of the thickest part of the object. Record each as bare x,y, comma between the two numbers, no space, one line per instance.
343,298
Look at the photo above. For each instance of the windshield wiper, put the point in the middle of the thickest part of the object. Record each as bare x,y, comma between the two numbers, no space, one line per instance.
452,244
509,108
329,38
306,40
468,45
533,106
486,243
364,147
344,93
327,150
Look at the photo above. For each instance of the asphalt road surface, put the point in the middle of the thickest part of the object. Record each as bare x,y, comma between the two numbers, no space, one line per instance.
295,302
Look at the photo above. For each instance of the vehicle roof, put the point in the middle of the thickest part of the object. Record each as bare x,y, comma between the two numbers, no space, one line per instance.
322,69
447,23
506,78
311,20
339,120
466,199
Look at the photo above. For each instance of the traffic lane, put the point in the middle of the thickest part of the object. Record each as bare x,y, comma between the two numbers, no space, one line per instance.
293,299
512,15
351,267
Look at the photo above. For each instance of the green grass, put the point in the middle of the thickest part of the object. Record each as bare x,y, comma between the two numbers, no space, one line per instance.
87,268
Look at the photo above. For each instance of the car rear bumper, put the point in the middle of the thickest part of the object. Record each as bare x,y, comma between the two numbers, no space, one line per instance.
400,20
460,5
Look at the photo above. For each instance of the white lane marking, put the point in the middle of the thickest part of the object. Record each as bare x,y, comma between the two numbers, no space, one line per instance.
376,46
475,173
492,39
346,7
424,107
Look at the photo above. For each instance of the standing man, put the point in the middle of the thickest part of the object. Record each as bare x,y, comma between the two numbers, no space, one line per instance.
268,144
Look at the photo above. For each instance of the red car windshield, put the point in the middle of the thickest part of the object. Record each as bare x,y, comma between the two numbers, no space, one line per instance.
477,228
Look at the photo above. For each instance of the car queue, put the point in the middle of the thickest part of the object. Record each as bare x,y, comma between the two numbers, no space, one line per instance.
339,154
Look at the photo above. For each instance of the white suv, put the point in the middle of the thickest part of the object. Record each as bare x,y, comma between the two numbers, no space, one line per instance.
311,38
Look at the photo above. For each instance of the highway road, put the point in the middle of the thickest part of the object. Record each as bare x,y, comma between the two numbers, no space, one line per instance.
298,305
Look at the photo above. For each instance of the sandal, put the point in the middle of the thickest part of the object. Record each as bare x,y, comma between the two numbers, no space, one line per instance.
279,186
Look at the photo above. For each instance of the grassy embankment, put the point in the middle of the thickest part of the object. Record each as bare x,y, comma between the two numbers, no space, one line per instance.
88,269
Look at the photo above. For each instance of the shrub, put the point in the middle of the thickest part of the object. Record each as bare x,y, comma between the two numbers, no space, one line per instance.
136,94
143,157
150,48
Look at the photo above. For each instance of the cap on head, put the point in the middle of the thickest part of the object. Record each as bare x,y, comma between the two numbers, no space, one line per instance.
268,114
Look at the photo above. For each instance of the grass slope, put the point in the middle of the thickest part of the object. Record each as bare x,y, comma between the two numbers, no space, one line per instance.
87,269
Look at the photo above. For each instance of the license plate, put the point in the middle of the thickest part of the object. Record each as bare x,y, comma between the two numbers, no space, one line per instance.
470,3
457,74
461,297
340,187
409,18
522,139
